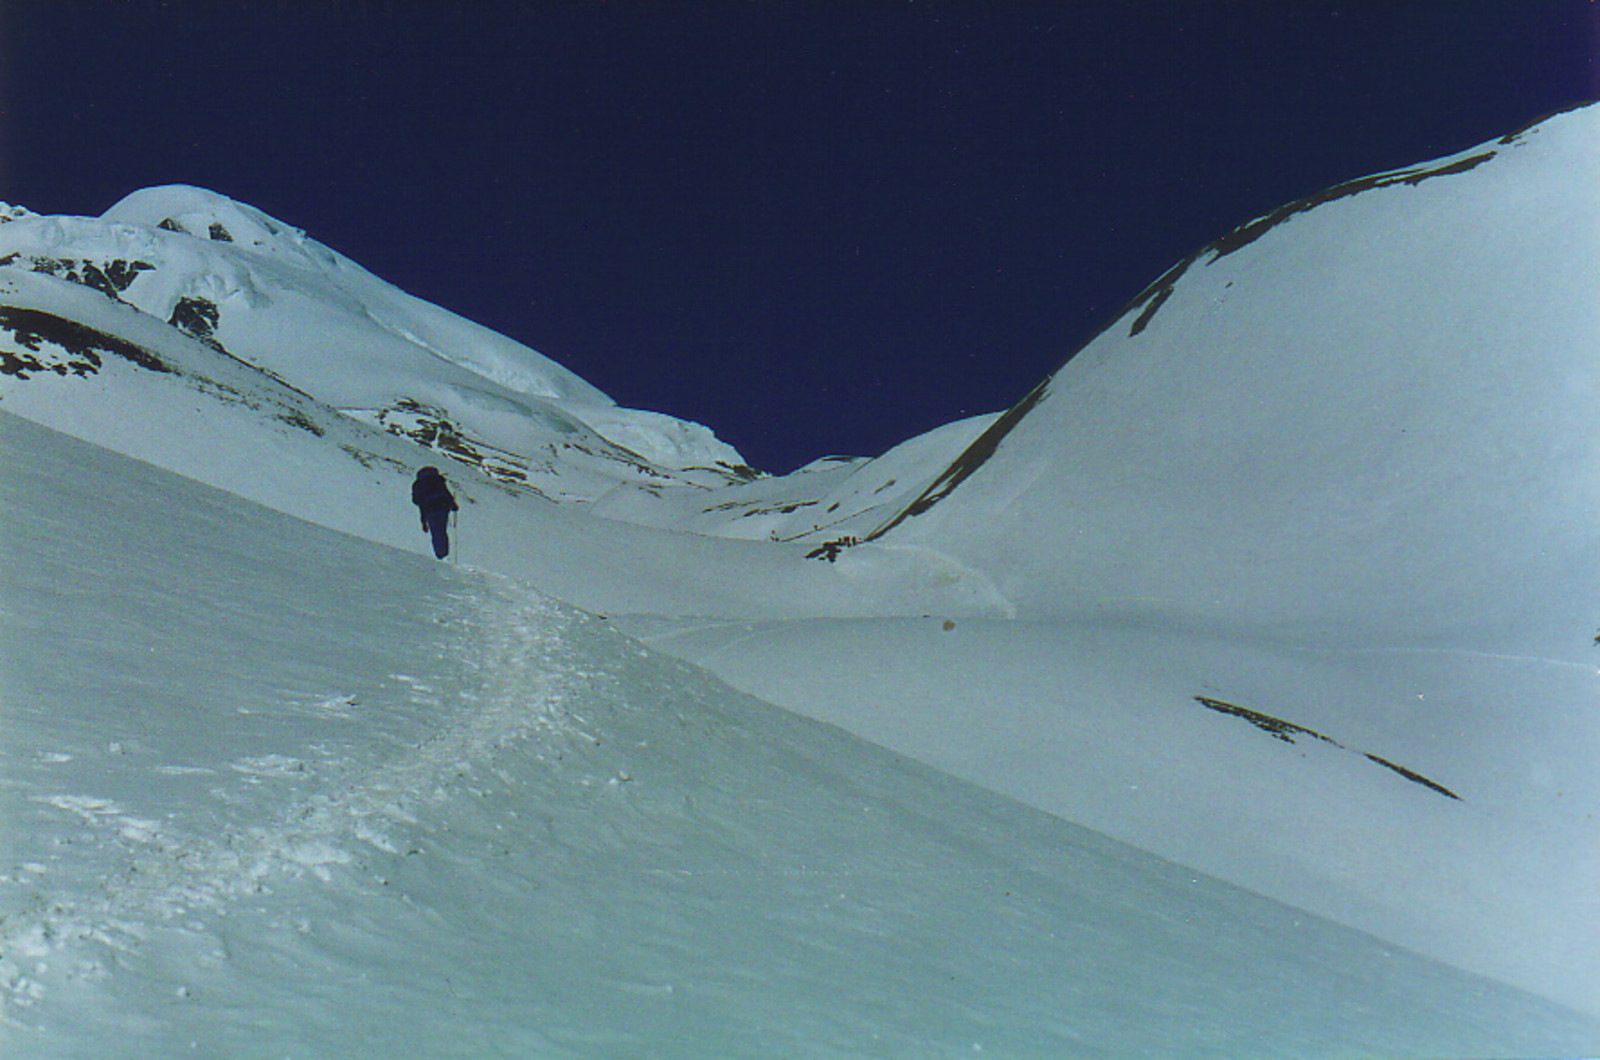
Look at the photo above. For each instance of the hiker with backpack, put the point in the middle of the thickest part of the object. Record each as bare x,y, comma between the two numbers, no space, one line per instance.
432,496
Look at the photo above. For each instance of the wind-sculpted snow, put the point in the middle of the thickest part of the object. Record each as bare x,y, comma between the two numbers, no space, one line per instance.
274,791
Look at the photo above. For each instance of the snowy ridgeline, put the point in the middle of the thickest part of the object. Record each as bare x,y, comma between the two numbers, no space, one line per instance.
270,790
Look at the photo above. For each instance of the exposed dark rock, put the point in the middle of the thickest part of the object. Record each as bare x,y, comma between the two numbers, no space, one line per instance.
110,278
219,233
368,459
1277,728
1286,731
195,316
1154,296
296,418
433,428
172,226
80,344
829,550
974,457
115,275
781,509
1517,134
1415,778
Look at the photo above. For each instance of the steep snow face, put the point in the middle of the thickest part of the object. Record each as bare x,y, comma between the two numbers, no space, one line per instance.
1369,417
273,790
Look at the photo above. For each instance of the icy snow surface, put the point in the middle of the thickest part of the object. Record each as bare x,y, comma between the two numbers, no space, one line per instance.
275,791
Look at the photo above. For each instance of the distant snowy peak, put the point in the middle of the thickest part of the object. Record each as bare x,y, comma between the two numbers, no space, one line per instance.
216,218
195,274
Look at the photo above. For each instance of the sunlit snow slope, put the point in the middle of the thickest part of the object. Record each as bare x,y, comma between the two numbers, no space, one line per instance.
1366,418
272,790
1303,560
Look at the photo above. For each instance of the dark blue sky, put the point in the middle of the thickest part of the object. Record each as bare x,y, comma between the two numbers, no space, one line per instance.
817,227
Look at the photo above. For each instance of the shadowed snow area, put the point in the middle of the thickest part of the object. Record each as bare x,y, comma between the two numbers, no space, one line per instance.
272,790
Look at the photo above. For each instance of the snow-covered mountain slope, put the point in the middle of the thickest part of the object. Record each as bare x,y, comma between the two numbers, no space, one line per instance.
246,287
1331,485
1445,801
1364,418
1295,559
273,790
266,364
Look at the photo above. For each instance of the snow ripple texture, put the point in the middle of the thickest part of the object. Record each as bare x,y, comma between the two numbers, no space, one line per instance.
333,811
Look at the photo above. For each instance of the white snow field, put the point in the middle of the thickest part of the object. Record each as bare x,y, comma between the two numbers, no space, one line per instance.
271,790
1287,578
1338,472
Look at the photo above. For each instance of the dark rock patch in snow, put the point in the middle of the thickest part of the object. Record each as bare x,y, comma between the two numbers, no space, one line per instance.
1247,234
298,419
110,278
433,428
78,346
1286,731
781,509
1277,728
1517,135
369,459
1415,778
829,550
1154,296
196,317
974,457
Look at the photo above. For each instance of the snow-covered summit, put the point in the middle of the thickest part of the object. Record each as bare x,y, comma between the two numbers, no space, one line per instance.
454,339
198,212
